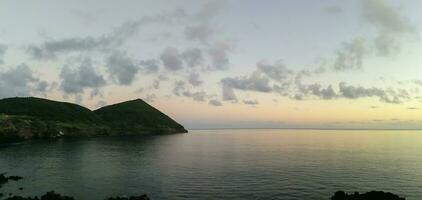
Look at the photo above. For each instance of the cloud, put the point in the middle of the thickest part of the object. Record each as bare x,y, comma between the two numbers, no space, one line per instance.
299,85
354,92
171,59
277,72
179,87
201,32
381,14
76,80
215,102
121,67
391,25
156,84
276,78
219,55
387,96
42,87
255,82
315,89
259,81
140,90
19,76
19,81
51,49
174,60
417,82
196,96
150,66
250,102
350,56
150,98
298,97
319,91
391,28
193,57
209,10
162,77
194,79
280,74
131,28
202,29
228,93
3,49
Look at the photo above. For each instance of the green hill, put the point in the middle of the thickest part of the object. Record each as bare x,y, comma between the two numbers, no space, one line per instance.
45,109
137,116
24,118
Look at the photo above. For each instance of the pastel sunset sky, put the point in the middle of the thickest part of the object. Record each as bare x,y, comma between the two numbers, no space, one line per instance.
223,64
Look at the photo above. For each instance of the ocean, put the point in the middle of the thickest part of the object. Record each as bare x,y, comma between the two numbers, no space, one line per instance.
225,164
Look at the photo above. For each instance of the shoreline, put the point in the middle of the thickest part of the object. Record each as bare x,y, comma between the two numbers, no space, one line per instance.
81,137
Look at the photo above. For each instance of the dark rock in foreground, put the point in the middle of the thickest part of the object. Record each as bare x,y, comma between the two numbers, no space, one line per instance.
48,196
339,195
54,196
373,195
142,197
4,179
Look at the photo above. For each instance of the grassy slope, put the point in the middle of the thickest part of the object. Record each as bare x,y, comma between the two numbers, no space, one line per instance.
45,109
136,114
29,117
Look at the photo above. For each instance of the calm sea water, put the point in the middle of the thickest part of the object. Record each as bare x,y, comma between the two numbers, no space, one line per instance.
221,164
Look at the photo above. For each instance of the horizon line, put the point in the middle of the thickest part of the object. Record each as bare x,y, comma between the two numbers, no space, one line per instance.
328,129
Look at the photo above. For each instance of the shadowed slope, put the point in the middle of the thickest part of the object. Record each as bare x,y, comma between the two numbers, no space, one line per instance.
29,118
137,115
45,109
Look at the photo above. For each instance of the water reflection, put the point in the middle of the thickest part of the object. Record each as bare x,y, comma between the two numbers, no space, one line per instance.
225,164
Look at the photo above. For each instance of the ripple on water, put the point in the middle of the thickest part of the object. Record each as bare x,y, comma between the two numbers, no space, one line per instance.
222,164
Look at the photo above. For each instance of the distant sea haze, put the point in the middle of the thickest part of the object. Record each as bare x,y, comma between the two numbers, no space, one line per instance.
221,164
363,125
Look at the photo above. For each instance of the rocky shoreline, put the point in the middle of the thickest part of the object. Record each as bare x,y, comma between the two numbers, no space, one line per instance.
14,129
54,196
4,179
51,195
339,195
372,195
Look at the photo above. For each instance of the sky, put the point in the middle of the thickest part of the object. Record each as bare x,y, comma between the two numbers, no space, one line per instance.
222,64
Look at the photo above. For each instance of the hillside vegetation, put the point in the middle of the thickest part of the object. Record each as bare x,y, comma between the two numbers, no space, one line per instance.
33,118
136,115
45,109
